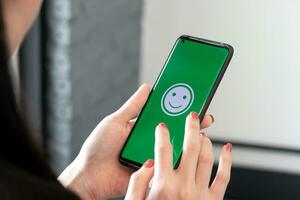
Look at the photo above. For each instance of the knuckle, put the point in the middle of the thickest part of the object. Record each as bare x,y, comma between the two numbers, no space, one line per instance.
131,105
223,177
207,155
136,177
164,190
208,142
226,161
192,149
110,117
185,193
164,148
107,118
206,158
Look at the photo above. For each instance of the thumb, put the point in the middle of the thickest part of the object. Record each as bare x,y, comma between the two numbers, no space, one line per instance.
134,104
139,182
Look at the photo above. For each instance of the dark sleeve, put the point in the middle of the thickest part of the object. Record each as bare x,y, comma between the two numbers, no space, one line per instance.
15,183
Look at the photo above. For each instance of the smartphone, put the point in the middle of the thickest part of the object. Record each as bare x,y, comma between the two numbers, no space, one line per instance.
187,83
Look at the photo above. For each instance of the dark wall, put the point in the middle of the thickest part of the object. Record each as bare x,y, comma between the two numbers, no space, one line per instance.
105,60
262,185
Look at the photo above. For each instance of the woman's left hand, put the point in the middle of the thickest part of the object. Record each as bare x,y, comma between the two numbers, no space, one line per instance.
96,172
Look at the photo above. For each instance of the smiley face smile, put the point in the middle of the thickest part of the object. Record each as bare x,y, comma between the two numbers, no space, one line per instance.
174,106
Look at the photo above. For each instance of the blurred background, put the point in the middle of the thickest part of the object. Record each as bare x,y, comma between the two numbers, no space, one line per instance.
83,59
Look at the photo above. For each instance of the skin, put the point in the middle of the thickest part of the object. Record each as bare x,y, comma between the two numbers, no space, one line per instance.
18,18
96,172
191,179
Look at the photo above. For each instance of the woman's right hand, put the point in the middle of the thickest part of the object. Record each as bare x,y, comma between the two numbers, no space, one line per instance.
191,179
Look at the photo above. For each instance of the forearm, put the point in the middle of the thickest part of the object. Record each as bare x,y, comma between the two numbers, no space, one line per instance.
84,181
73,179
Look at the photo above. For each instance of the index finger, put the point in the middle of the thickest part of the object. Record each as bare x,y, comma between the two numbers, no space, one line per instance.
163,150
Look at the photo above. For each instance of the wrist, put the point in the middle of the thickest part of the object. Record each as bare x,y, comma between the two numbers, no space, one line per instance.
74,179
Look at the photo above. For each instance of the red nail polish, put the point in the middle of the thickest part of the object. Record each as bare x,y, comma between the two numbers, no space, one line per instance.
228,147
163,125
194,115
149,163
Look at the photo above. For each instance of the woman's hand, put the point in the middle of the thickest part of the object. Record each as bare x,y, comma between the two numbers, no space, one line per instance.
96,172
190,181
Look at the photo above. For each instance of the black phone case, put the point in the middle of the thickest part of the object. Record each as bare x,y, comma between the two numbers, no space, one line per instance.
135,165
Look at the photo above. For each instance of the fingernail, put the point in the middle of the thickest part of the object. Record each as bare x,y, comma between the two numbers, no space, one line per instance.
203,134
228,147
149,163
194,116
212,118
163,125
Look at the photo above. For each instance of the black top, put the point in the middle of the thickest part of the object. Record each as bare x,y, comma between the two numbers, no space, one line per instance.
24,172
17,183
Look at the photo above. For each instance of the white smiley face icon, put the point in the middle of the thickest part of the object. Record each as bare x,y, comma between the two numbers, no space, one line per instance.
177,99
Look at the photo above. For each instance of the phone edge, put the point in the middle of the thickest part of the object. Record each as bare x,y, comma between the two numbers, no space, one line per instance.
135,165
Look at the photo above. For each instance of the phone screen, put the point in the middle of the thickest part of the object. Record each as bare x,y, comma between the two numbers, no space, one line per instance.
184,85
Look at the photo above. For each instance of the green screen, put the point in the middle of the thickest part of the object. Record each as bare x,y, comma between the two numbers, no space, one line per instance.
183,86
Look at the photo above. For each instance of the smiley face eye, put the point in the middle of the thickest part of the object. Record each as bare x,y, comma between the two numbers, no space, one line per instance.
184,97
174,94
